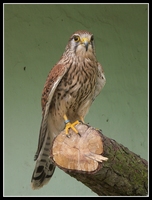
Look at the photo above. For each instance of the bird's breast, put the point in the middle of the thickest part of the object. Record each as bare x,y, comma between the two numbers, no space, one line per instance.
76,88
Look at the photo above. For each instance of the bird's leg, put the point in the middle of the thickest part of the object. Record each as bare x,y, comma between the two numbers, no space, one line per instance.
69,125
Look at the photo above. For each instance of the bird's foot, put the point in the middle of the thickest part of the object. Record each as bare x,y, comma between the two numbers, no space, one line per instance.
69,125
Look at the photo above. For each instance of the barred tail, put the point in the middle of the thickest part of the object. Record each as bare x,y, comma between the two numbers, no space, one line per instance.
44,167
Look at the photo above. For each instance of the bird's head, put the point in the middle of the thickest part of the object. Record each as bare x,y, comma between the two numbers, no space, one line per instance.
81,43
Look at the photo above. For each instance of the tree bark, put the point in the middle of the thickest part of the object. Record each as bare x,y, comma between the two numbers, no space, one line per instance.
123,174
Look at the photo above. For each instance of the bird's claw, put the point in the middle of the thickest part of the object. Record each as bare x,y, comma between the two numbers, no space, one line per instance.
72,126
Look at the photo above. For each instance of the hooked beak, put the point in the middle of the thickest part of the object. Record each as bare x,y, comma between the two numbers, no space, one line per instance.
85,41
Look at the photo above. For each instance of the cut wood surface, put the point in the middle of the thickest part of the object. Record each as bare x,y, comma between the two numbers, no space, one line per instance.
105,166
80,152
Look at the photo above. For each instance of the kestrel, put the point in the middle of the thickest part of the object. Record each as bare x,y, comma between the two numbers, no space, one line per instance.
70,88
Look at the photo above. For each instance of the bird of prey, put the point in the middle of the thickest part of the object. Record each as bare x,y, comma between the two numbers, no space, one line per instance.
69,90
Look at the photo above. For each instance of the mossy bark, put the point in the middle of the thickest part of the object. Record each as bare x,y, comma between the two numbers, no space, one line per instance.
124,174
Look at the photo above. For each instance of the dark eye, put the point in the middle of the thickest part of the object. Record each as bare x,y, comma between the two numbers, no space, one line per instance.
76,38
92,38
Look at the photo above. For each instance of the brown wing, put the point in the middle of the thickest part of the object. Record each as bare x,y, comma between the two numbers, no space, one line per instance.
53,79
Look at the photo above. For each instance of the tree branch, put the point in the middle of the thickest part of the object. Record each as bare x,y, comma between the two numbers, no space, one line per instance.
123,174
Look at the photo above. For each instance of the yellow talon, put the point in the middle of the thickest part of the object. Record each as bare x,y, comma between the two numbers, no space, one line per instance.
69,125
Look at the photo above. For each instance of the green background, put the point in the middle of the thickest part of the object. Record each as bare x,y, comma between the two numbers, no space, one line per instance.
35,36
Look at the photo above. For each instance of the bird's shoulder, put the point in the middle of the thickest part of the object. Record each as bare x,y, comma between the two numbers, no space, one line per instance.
53,79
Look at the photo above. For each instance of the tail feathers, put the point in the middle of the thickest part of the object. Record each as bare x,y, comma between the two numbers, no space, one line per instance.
44,167
44,170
